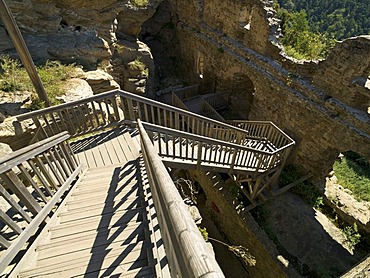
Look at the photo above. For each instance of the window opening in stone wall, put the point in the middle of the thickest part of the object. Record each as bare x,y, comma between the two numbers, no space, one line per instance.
245,18
200,64
363,94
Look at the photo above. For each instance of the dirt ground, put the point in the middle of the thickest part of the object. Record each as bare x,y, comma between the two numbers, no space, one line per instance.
310,236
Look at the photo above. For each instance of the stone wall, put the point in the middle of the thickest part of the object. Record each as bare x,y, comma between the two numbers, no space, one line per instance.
322,105
239,228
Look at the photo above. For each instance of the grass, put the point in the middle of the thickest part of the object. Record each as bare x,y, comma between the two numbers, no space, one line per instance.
14,77
137,64
353,173
139,3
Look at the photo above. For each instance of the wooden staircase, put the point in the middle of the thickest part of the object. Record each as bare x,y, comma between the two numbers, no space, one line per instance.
106,223
102,231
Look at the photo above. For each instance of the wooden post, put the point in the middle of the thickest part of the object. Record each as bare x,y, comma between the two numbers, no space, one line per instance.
21,47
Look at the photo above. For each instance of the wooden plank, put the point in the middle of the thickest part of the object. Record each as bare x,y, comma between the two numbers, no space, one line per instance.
130,203
10,253
80,262
105,154
111,150
147,271
98,240
72,227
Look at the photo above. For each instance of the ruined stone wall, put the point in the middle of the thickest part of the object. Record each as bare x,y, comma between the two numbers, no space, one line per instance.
318,104
239,228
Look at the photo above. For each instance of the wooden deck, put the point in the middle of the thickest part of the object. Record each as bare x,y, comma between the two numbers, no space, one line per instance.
106,228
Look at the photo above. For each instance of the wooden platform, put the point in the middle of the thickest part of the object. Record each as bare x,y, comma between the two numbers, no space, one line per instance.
106,228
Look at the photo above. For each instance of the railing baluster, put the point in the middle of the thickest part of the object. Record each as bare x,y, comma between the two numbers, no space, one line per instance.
16,186
146,114
199,155
4,243
32,182
41,177
45,172
7,220
57,163
52,168
14,204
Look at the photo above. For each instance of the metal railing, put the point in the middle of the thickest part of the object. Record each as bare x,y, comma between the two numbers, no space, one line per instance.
32,181
186,250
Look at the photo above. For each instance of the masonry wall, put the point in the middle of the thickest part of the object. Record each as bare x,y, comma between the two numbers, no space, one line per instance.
317,104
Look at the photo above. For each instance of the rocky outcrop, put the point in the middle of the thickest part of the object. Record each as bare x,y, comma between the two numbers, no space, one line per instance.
75,31
100,81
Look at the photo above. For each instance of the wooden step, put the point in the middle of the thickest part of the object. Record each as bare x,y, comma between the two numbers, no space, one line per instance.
103,212
109,231
96,222
97,242
87,260
129,203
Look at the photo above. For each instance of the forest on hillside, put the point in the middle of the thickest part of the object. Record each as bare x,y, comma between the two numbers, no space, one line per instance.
339,19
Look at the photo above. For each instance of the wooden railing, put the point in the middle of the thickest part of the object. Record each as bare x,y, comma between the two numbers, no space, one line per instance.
77,117
115,107
218,101
177,102
200,152
118,107
187,92
32,181
268,130
187,252
210,112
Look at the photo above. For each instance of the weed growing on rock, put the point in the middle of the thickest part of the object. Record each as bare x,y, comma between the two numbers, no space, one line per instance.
14,77
139,3
352,235
353,173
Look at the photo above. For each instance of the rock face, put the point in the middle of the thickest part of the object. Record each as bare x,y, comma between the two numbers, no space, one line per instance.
75,31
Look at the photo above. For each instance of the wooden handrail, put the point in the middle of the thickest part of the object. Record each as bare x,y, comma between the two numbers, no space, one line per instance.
177,133
187,252
13,159
37,176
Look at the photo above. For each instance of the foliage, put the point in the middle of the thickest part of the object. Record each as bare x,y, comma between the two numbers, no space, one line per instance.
339,19
352,235
204,233
139,3
306,190
13,77
137,64
298,40
353,173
